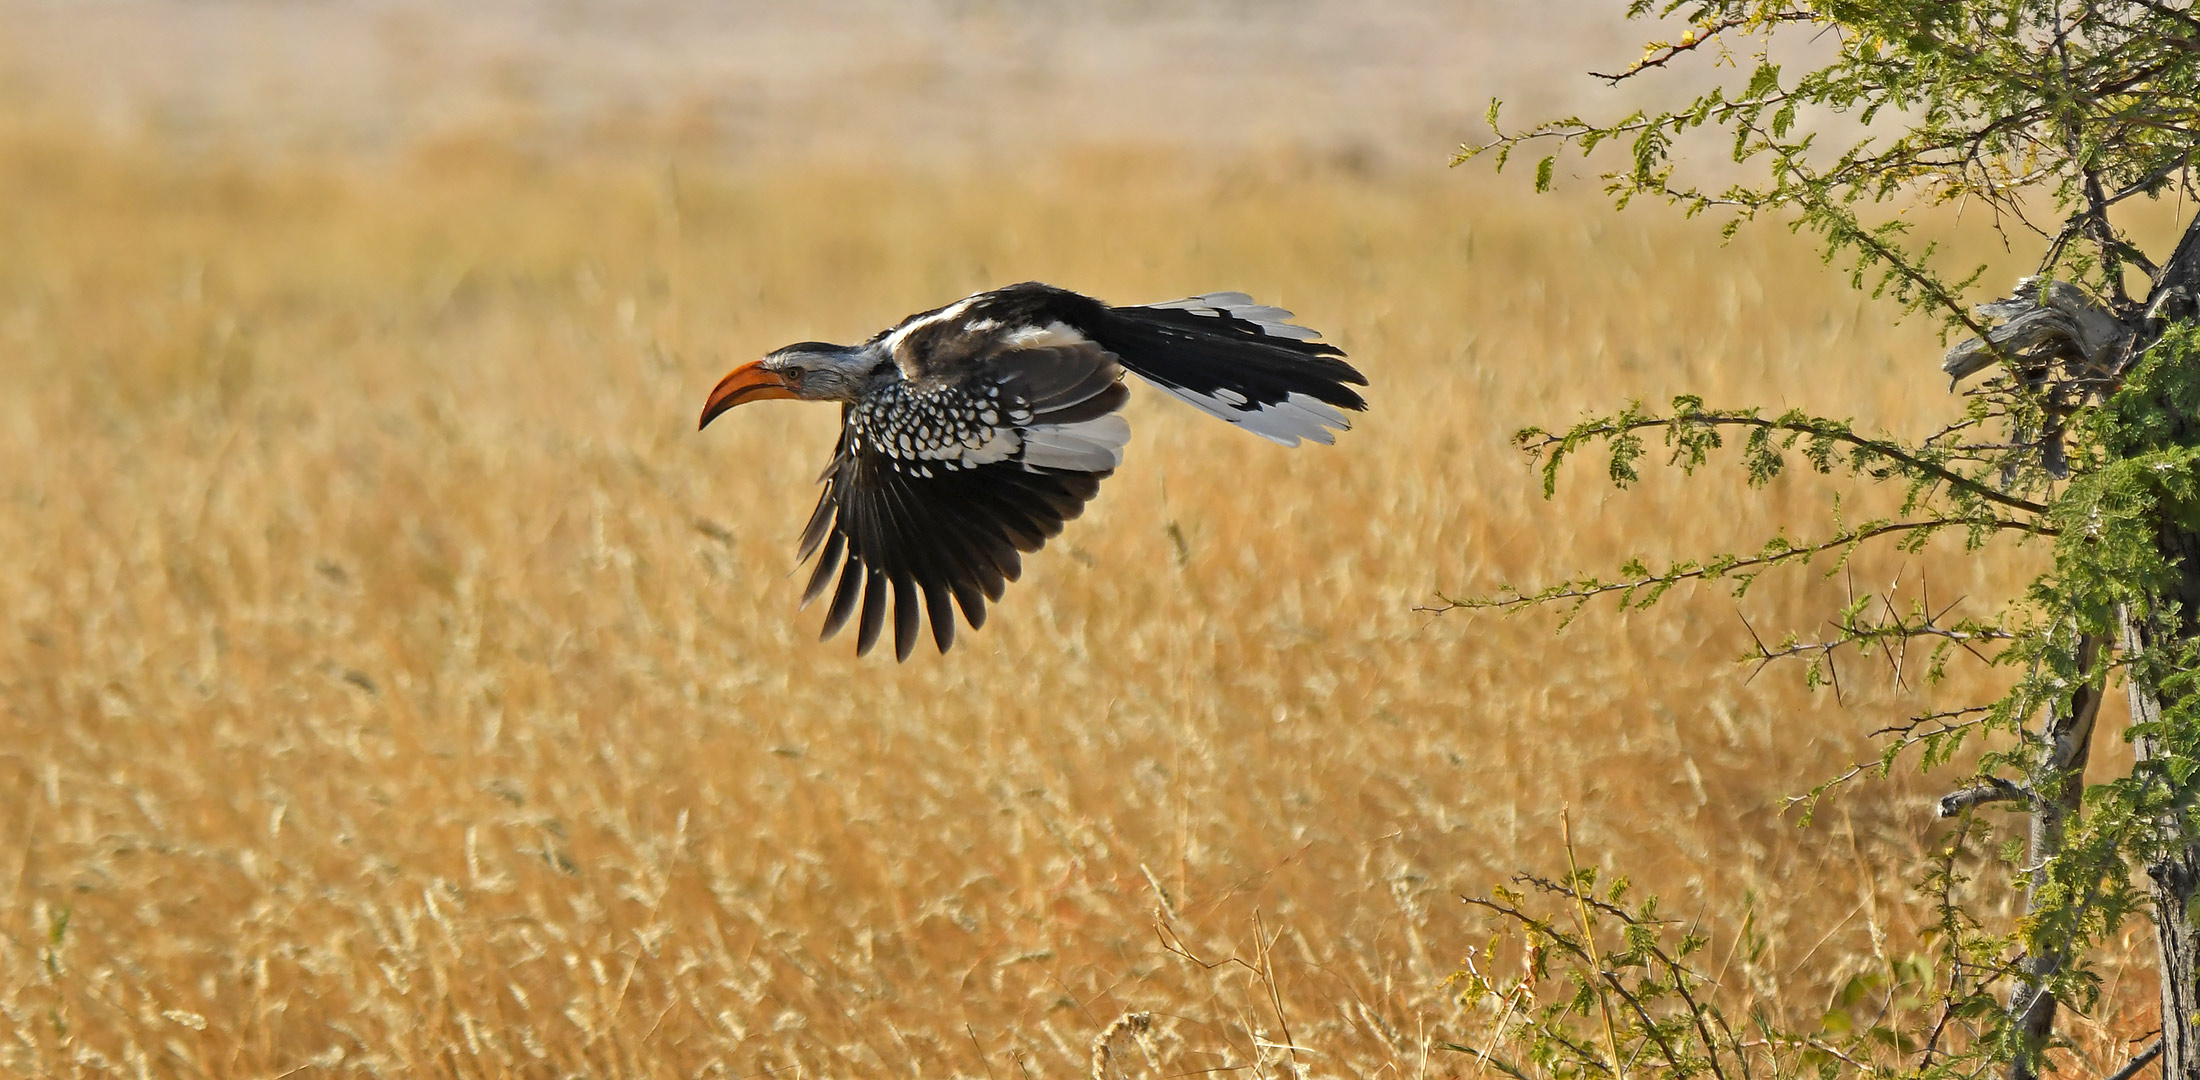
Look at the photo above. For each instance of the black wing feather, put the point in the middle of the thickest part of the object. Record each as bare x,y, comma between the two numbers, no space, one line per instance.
906,615
844,596
949,535
874,611
952,539
827,562
940,610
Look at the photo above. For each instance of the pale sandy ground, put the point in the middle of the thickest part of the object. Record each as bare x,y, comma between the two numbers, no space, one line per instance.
1402,79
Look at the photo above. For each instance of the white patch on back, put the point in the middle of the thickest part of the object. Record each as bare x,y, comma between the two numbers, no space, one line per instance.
1043,337
946,314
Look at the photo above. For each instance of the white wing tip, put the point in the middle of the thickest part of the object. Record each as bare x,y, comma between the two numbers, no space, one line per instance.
1297,417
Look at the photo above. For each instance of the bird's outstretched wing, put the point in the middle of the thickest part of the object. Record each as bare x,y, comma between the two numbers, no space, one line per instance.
1224,353
936,488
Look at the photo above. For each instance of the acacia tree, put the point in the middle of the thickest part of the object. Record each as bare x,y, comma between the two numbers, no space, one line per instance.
2080,429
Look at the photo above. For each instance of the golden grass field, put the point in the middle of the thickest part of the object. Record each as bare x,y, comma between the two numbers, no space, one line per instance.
394,683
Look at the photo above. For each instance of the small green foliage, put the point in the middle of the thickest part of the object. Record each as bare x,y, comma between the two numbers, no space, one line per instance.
2051,116
2135,469
1992,105
1943,491
1576,950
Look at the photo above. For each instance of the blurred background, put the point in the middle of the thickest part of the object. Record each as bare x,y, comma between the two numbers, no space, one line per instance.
863,81
393,681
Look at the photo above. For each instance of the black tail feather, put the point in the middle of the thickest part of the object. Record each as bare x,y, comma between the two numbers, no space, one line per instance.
1238,366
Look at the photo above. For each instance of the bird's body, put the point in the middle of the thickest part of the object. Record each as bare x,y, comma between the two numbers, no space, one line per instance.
972,432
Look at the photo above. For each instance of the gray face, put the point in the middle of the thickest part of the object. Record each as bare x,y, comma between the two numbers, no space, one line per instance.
822,372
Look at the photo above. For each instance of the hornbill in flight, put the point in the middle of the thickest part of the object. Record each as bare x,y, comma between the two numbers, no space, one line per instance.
971,432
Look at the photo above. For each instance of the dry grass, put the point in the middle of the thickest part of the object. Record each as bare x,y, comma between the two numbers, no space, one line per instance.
392,682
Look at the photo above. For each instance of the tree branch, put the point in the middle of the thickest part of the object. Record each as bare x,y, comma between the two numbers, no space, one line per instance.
2136,1065
1841,435
1994,790
1716,569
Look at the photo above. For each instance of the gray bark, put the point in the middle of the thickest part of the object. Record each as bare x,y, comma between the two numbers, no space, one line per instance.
2044,325
2174,871
2067,738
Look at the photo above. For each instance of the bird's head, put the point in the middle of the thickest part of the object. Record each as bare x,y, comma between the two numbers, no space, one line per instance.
811,371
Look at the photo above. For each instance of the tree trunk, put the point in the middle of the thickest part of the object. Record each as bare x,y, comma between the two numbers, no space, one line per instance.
2059,789
2175,878
2175,869
2174,874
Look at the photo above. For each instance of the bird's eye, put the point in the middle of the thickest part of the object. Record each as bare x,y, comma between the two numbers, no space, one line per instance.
795,375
